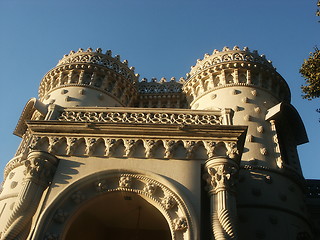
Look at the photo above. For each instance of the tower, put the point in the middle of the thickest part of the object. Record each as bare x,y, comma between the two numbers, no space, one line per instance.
211,156
271,186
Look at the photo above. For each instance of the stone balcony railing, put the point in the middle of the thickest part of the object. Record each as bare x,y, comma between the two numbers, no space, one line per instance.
146,116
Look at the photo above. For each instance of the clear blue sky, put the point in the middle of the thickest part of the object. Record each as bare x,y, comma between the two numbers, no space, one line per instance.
160,38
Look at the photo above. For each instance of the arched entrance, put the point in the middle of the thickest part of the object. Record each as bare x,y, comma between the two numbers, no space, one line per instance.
114,204
118,215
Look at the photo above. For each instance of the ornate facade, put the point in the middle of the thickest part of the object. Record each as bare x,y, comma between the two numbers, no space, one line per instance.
209,156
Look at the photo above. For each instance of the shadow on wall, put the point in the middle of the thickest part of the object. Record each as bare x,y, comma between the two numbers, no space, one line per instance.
64,172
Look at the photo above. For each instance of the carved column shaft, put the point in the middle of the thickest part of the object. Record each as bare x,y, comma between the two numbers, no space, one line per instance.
40,168
222,176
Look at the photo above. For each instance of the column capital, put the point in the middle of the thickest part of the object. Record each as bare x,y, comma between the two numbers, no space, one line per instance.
40,167
221,174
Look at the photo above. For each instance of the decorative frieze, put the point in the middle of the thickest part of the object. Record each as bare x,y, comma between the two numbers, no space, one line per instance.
168,202
150,188
108,147
125,182
156,117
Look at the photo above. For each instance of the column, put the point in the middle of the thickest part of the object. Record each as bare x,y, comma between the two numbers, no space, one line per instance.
39,172
221,175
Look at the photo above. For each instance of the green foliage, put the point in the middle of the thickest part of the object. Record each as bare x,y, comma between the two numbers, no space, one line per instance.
310,70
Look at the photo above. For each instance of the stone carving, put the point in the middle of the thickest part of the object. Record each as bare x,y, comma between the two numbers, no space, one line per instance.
98,58
109,75
142,117
180,224
60,216
149,145
189,146
257,109
222,177
34,143
150,188
264,151
109,143
78,197
254,92
161,87
101,186
40,168
232,150
169,146
245,100
125,182
53,141
11,175
213,96
280,162
13,184
71,145
90,142
171,205
129,145
168,202
260,129
210,146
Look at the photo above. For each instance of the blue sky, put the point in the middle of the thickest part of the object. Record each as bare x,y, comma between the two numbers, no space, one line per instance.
160,38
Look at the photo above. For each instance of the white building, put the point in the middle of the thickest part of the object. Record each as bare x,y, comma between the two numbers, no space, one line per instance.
211,156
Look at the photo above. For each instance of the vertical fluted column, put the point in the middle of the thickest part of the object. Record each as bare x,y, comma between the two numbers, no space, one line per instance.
221,174
40,169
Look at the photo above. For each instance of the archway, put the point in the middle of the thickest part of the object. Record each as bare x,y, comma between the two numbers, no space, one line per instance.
118,215
85,206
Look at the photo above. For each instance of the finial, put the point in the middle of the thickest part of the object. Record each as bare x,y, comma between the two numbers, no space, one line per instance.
89,49
246,49
182,80
173,79
236,48
117,57
215,51
163,79
80,50
98,50
132,69
224,49
154,79
71,52
144,80
109,52
206,55
125,62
